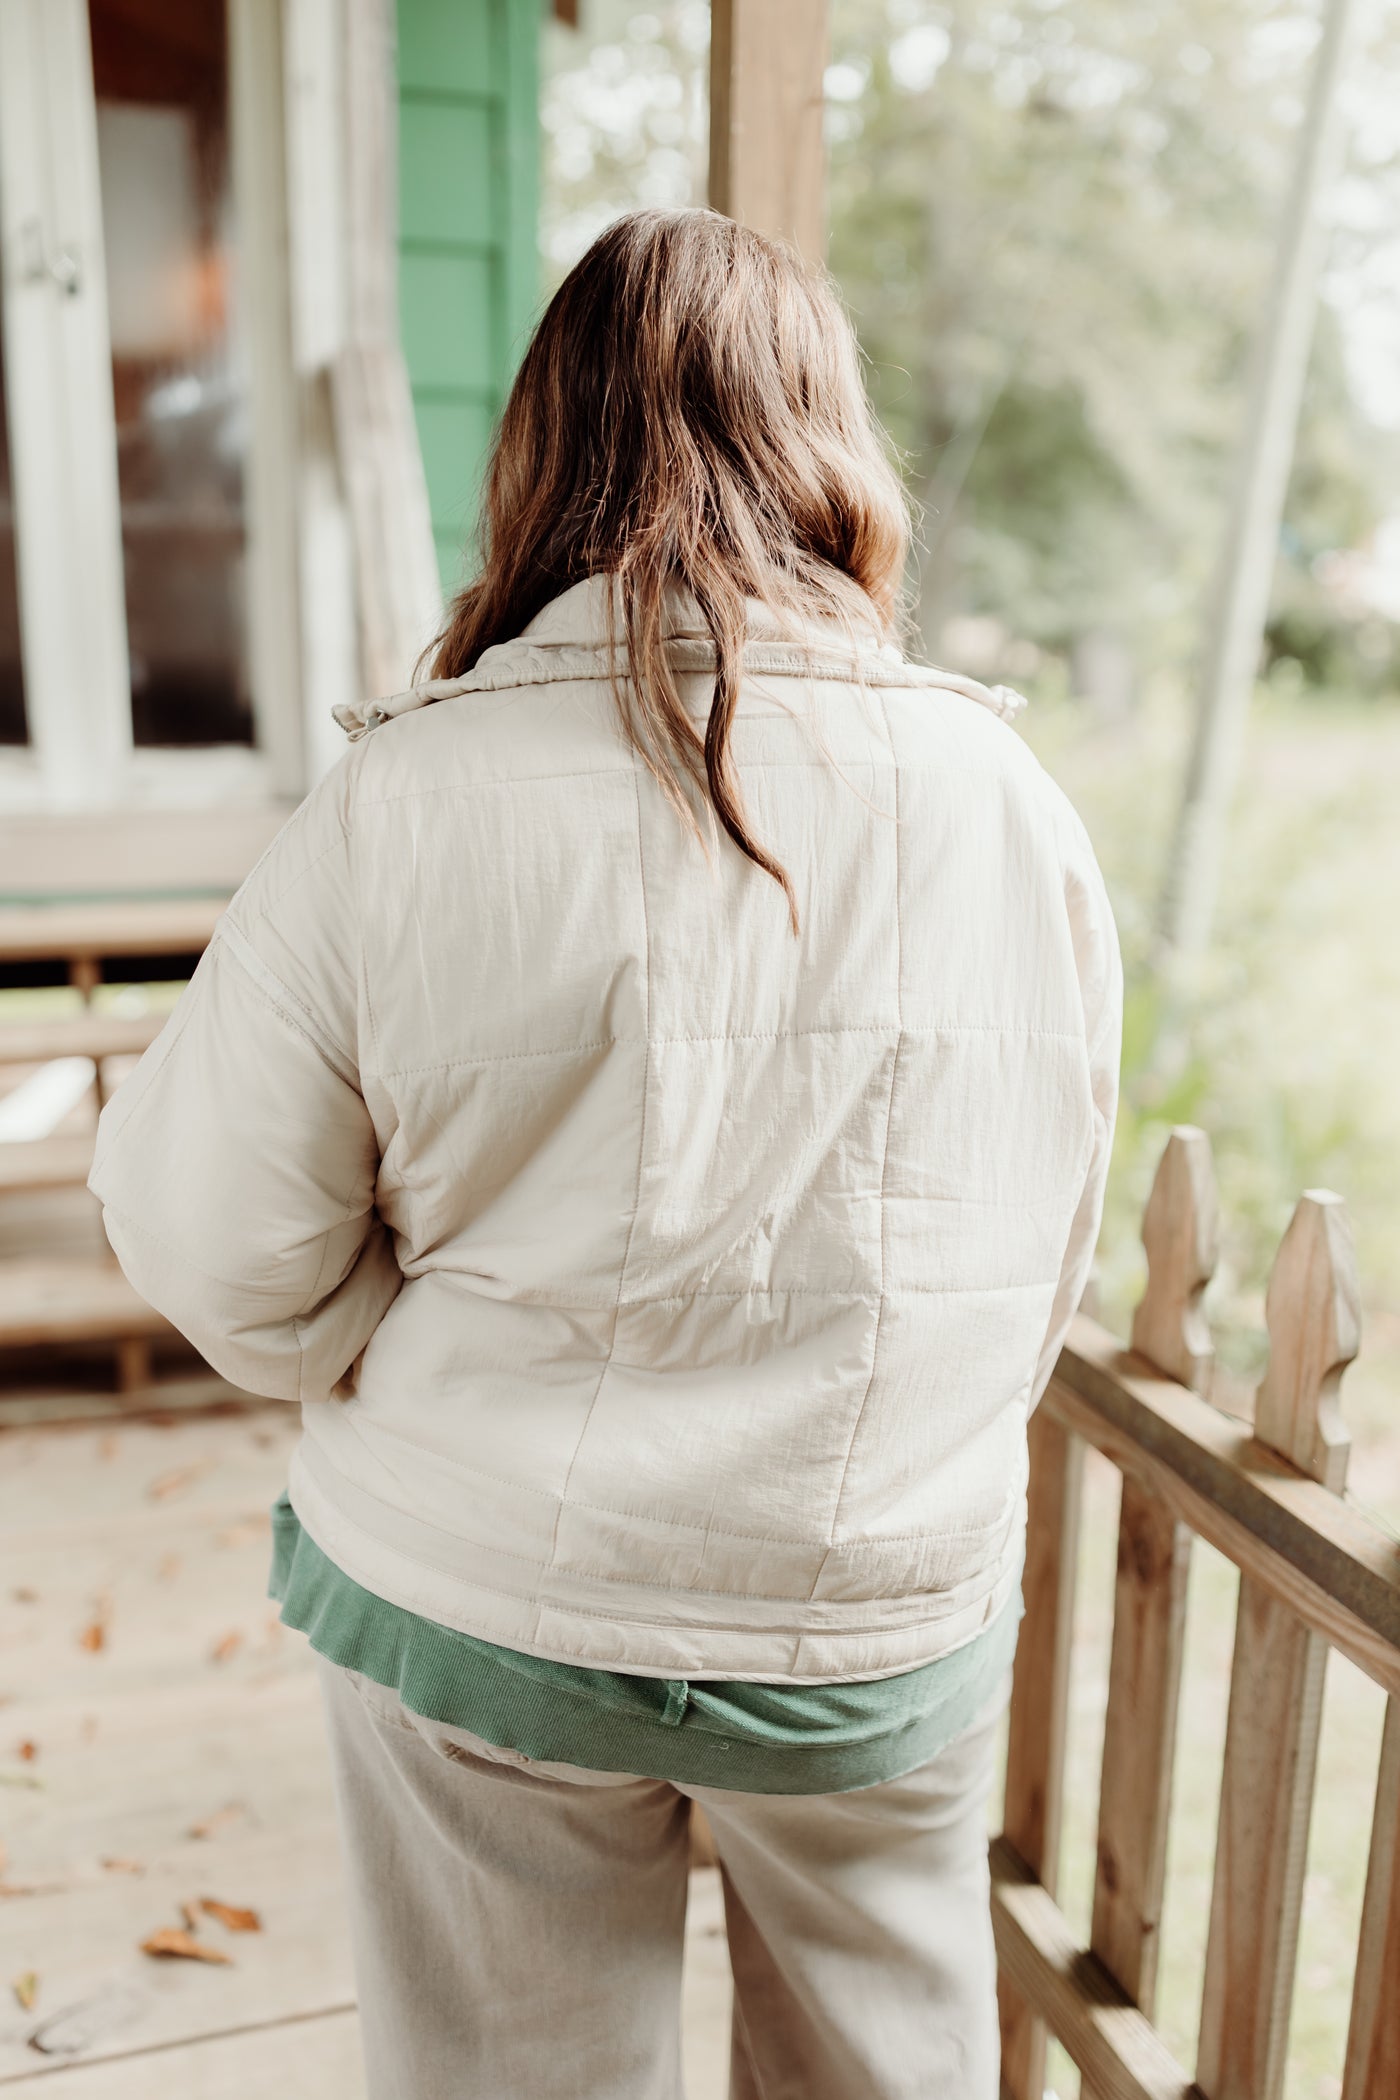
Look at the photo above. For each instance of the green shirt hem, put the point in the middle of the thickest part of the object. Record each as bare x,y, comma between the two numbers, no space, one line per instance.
748,1738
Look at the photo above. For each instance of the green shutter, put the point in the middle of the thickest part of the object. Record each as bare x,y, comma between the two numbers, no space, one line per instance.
468,191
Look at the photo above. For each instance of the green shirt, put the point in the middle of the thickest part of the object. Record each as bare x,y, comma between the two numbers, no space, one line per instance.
751,1738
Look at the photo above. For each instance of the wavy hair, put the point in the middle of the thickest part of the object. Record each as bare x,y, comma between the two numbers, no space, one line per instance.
689,415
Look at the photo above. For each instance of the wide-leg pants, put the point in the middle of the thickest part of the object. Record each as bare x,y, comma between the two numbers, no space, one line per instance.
518,1926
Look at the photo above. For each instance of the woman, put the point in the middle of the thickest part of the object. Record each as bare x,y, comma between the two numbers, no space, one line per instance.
650,1107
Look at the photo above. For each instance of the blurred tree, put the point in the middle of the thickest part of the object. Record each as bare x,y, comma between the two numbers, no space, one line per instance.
1053,220
1054,224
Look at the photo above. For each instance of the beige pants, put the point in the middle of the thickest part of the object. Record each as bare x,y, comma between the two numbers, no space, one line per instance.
518,1926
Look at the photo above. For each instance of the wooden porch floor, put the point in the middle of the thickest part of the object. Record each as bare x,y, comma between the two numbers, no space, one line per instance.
160,1743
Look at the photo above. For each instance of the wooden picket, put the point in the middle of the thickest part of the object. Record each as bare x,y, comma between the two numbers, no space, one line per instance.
1275,1712
1035,1756
1149,1612
1315,1573
1373,2045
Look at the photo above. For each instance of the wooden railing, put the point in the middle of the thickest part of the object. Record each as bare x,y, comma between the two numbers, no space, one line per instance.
1315,1572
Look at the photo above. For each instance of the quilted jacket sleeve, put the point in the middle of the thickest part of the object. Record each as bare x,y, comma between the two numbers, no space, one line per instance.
1100,972
236,1166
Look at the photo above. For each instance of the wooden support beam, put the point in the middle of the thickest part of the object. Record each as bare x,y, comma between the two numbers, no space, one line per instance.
767,153
1275,1711
1035,1754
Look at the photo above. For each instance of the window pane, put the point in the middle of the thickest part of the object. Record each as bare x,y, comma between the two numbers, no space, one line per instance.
13,727
160,71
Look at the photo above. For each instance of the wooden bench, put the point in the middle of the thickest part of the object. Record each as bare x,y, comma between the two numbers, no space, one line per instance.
1315,1572
90,1034
79,1300
85,936
45,1163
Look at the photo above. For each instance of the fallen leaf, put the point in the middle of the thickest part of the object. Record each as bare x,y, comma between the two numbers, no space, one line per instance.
190,1916
123,1866
206,1828
170,1943
26,1989
25,1595
21,1779
27,1752
228,1645
173,1483
230,1915
93,1637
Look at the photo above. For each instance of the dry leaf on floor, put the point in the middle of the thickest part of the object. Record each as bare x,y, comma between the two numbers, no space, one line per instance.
171,1943
93,1636
25,1595
27,1752
230,1915
190,1916
206,1828
229,1644
123,1866
26,1989
173,1483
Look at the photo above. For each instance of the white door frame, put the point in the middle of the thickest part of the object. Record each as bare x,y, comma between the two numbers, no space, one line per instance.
58,365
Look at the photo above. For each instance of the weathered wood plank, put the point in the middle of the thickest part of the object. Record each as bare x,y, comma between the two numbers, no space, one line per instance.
1323,1556
1035,1760
1115,2046
1373,2043
87,932
316,2058
45,1163
89,1034
1275,1712
60,1301
1265,1808
1180,1231
1149,1623
767,154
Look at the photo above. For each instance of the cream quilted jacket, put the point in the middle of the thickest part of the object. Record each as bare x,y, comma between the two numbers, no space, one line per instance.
661,1292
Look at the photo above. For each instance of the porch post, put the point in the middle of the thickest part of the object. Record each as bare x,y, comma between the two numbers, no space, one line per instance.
767,154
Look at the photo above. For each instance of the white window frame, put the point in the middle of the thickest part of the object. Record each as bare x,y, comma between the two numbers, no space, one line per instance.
58,370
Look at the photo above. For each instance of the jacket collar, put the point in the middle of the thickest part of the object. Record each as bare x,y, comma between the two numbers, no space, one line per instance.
569,637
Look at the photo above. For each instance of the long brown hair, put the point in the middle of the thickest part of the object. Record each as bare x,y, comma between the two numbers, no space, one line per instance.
689,415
